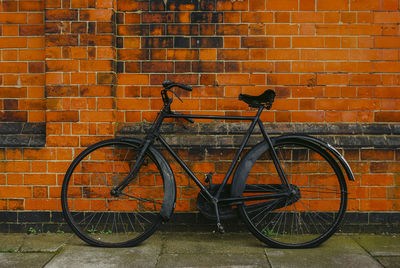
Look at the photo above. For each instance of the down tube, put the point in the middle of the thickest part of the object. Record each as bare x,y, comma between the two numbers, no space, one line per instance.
183,165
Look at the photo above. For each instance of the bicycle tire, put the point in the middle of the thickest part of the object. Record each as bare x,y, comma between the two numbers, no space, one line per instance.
101,219
307,218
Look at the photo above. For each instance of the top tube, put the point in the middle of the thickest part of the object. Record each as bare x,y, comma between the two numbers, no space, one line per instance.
220,117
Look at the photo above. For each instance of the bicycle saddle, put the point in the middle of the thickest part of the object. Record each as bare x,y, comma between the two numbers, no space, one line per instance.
266,99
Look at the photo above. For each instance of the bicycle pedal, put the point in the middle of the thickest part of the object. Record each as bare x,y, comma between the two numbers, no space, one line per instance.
221,229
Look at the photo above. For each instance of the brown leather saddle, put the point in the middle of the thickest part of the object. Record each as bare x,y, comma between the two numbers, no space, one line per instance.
265,99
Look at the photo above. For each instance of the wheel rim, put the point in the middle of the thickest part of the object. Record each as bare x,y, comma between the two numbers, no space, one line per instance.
312,213
101,218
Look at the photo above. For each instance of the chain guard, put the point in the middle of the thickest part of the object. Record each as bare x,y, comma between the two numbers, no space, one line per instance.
207,209
228,212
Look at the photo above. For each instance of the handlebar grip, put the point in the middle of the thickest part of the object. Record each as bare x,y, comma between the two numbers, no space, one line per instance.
185,87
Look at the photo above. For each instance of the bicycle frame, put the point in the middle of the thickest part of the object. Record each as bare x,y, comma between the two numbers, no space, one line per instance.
154,134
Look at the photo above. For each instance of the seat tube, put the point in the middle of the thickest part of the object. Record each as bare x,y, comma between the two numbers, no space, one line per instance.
273,155
239,152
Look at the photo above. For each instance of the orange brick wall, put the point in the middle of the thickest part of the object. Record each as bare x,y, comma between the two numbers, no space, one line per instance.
79,71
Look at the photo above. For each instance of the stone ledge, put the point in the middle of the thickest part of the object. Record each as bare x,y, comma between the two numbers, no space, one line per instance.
226,135
18,134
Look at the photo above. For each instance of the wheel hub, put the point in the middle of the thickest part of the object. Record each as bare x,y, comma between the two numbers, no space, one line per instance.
295,194
114,193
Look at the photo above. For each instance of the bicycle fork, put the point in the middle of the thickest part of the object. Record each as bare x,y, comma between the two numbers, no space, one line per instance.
116,191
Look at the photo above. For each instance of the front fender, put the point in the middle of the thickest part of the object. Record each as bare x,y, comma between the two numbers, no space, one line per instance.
168,205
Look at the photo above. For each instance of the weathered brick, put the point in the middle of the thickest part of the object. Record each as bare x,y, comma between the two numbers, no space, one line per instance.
62,14
205,42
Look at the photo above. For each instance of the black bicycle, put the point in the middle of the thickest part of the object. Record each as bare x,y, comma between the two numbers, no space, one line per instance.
289,190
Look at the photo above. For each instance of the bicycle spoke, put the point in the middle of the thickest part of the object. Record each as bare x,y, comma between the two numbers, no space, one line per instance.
315,186
108,220
142,199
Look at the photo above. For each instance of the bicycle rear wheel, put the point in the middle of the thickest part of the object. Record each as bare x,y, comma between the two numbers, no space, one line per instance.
100,218
314,210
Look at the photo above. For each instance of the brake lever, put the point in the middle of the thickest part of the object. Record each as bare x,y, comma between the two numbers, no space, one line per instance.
173,92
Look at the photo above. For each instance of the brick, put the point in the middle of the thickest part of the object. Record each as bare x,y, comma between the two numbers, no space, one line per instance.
96,65
61,40
307,5
181,42
13,42
257,42
42,204
95,91
62,116
182,54
157,67
283,54
95,15
61,14
289,5
11,92
9,6
232,29
11,67
207,42
15,192
233,54
387,41
257,17
62,65
203,66
60,141
13,18
157,42
31,30
96,116
387,116
308,42
364,5
14,116
95,40
40,179
307,17
262,67
333,6
365,79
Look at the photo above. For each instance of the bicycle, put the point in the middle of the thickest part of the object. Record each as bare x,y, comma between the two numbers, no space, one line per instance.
289,190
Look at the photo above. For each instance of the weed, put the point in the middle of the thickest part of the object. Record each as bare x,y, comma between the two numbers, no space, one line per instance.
32,231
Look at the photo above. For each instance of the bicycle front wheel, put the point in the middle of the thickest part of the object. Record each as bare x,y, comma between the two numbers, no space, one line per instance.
100,218
317,202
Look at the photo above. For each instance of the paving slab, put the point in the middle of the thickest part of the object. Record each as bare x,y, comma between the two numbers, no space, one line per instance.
11,242
82,255
338,251
31,260
211,243
389,262
44,242
380,245
213,260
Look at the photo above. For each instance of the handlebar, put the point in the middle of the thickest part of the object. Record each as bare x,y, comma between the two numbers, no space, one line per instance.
167,101
168,84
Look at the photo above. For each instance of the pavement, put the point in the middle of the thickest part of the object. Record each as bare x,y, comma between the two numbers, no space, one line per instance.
194,249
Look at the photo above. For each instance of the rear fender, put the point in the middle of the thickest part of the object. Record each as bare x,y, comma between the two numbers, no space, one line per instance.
327,147
247,162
